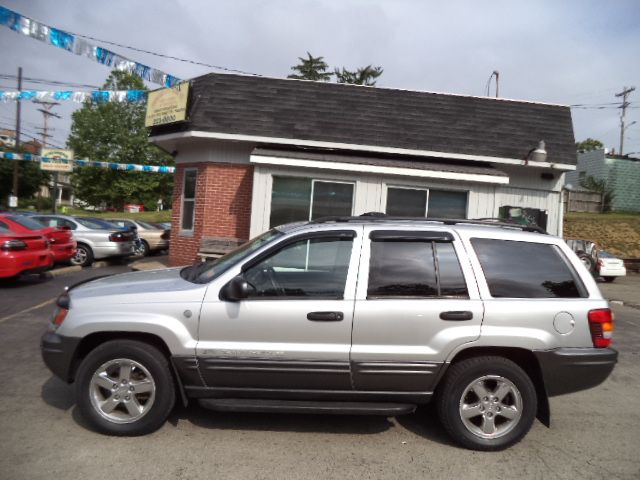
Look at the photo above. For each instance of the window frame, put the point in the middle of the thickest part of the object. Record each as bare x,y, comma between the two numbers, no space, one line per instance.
583,291
434,238
183,231
319,180
274,249
428,196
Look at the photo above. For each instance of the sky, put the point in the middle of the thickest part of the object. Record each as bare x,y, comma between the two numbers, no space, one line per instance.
568,52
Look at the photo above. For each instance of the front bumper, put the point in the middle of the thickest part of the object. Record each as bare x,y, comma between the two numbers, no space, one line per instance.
567,370
58,353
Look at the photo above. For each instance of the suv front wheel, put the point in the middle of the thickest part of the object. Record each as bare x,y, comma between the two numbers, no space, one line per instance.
487,403
125,387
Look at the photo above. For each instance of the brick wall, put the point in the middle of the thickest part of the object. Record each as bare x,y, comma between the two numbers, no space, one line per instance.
222,207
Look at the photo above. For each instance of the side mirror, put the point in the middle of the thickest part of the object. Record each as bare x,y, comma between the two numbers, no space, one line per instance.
237,289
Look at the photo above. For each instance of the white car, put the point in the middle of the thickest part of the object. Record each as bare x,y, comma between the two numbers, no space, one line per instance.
610,267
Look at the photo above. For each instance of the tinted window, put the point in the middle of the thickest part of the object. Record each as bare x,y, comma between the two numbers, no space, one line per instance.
452,283
525,269
331,199
406,202
313,268
27,222
402,269
443,204
290,200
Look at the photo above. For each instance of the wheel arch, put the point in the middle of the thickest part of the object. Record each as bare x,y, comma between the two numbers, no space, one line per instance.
93,340
522,357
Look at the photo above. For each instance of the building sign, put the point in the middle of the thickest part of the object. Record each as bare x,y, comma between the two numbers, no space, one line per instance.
167,105
55,160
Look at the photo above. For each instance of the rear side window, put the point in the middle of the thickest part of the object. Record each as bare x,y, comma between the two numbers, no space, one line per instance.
414,269
526,270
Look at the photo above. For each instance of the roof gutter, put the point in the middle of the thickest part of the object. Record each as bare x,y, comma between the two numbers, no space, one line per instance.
349,146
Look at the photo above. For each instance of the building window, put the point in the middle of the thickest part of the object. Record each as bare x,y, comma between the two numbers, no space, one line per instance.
411,202
300,199
188,199
447,204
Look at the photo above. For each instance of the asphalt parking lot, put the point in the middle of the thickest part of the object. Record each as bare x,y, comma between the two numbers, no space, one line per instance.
595,434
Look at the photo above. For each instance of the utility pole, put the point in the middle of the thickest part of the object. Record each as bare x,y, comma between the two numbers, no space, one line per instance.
46,112
624,94
16,164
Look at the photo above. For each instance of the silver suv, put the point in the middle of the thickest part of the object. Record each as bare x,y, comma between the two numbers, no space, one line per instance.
354,315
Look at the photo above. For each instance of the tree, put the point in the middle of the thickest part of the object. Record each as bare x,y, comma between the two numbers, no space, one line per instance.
30,178
311,68
363,76
600,186
115,132
589,144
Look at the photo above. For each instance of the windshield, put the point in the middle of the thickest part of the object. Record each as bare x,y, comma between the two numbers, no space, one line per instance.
27,222
206,271
96,224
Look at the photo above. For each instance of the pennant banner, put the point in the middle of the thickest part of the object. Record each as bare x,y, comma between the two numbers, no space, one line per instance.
97,96
131,167
71,43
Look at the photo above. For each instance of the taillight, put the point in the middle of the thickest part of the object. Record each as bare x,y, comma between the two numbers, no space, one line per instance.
13,245
601,327
118,237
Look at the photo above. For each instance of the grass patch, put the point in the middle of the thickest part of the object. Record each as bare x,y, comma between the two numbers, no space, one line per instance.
163,216
618,233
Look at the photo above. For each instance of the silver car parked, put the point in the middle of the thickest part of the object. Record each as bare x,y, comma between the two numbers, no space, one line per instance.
96,239
353,315
152,238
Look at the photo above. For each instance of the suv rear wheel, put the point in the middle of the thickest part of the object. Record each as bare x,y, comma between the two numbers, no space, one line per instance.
487,403
125,387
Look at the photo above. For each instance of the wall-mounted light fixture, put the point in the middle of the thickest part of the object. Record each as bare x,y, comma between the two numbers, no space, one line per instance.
538,154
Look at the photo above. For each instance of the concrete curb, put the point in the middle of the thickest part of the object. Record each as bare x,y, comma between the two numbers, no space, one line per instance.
63,271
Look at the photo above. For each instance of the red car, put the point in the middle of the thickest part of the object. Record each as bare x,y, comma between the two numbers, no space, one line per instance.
23,253
61,241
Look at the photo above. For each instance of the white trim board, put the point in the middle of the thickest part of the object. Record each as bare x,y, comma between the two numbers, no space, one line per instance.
375,169
349,146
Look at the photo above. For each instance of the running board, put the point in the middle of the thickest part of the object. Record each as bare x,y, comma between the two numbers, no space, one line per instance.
296,406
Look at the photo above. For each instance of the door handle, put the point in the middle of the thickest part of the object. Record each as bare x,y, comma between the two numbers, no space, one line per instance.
325,316
463,315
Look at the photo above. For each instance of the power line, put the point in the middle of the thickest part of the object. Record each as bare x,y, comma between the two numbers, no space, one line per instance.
162,55
8,76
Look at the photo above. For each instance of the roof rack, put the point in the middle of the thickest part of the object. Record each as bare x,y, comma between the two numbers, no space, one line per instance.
379,217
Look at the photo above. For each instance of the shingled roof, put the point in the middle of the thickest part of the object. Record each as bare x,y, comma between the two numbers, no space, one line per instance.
376,117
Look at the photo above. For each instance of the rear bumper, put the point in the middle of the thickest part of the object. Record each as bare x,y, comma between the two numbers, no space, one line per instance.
58,353
15,263
612,271
567,370
113,249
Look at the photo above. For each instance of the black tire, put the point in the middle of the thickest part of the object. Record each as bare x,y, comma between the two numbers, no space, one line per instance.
143,250
84,256
151,359
587,261
453,392
608,279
